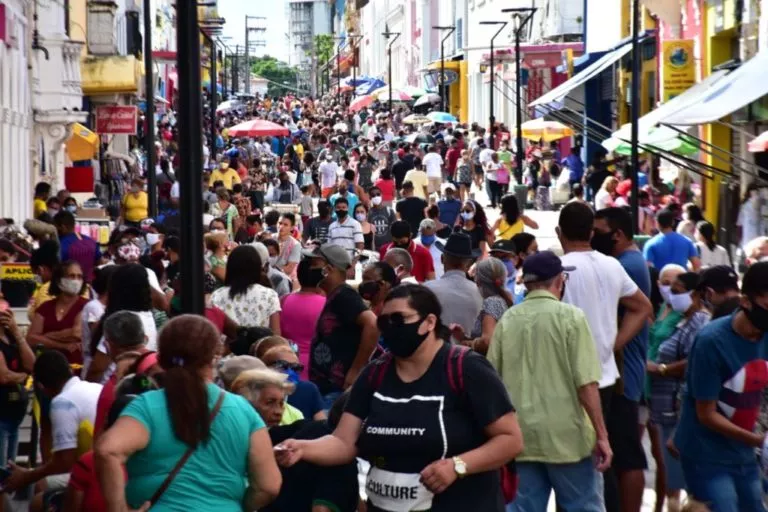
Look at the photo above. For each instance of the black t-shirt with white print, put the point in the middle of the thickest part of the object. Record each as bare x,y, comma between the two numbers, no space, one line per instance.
407,426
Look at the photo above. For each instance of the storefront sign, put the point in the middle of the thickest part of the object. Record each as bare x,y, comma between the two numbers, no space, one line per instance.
678,68
116,120
16,272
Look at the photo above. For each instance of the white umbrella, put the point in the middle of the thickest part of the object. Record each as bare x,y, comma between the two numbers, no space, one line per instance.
427,99
341,127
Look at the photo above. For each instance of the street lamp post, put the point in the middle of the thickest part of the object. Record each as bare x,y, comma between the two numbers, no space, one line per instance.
491,118
352,38
441,82
149,95
190,151
635,113
517,13
391,38
214,93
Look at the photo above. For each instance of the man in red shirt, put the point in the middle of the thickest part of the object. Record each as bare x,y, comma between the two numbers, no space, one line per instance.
451,157
423,266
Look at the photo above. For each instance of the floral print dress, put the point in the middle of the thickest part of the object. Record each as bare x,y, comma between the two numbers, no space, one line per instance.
250,309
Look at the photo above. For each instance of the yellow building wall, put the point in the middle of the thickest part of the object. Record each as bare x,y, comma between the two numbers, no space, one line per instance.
463,92
716,50
78,24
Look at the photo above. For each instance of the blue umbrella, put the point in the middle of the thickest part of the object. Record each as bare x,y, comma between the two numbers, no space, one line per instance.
442,117
369,87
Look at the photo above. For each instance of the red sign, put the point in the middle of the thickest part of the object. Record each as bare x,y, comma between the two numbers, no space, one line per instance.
113,119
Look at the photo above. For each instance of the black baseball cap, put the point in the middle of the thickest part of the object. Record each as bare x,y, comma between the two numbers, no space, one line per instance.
542,266
720,278
505,246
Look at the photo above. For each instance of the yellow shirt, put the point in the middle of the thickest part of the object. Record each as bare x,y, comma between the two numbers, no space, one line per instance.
419,180
136,207
229,177
290,415
507,231
40,207
299,149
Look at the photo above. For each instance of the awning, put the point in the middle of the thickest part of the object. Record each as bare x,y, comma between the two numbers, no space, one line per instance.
676,104
83,144
737,89
561,91
114,74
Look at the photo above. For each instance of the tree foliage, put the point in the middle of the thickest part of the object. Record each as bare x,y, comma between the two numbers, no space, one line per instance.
277,72
324,48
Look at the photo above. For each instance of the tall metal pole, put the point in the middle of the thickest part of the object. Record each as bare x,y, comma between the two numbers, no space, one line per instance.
235,69
441,81
519,86
491,117
393,36
635,111
191,152
518,110
338,74
214,98
247,60
149,95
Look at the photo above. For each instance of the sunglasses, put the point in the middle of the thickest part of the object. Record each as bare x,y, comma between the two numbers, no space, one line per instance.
375,195
384,322
285,365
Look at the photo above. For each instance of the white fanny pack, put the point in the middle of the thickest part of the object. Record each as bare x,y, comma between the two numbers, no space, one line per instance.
397,492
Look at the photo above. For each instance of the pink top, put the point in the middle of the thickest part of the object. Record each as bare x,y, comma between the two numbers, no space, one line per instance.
298,321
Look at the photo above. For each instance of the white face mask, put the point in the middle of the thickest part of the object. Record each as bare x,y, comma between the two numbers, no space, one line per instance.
71,286
681,302
360,217
153,238
376,200
665,292
273,260
467,215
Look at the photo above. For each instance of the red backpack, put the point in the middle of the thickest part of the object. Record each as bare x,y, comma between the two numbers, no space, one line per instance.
454,367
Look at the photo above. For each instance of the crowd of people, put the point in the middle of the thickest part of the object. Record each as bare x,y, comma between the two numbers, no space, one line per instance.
367,311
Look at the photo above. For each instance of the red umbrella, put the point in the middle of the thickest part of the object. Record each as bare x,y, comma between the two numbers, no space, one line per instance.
360,103
258,128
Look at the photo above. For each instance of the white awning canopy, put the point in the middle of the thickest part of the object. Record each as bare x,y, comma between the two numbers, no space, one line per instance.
665,110
561,91
737,89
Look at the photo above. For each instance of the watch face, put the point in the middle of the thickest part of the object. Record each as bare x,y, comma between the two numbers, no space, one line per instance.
459,466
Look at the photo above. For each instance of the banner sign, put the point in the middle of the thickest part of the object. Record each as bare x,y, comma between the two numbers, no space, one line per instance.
16,272
678,67
116,120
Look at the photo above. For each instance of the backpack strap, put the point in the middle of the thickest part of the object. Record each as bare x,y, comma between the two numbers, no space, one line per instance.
379,370
455,367
134,368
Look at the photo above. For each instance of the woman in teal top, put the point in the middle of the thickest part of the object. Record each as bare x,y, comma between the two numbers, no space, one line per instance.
232,466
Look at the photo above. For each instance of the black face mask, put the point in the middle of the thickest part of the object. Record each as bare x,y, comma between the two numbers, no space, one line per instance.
314,278
400,338
369,289
757,316
342,214
603,242
283,183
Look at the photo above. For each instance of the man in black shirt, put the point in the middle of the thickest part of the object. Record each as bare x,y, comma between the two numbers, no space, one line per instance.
719,286
317,227
411,208
346,333
401,168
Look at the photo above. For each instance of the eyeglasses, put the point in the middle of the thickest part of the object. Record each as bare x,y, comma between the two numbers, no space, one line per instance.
285,365
384,322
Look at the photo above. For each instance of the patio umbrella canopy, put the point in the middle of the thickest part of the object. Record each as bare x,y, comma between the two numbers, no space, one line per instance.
758,144
442,117
258,128
539,129
428,99
360,103
416,119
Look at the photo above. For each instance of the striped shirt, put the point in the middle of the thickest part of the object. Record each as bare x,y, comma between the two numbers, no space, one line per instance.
346,234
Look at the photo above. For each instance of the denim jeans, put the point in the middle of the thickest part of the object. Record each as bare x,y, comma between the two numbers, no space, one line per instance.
675,479
724,488
9,441
578,487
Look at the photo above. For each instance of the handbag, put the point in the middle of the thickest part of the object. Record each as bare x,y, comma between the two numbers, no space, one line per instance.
184,458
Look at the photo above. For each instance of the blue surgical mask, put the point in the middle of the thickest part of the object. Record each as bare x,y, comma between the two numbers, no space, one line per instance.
293,377
511,270
428,239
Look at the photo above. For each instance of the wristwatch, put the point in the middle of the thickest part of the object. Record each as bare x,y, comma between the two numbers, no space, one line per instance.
662,369
460,467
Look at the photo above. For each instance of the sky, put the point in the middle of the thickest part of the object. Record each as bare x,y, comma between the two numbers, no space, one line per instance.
234,12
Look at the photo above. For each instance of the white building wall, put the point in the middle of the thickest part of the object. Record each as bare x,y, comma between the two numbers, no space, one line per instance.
16,179
603,26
